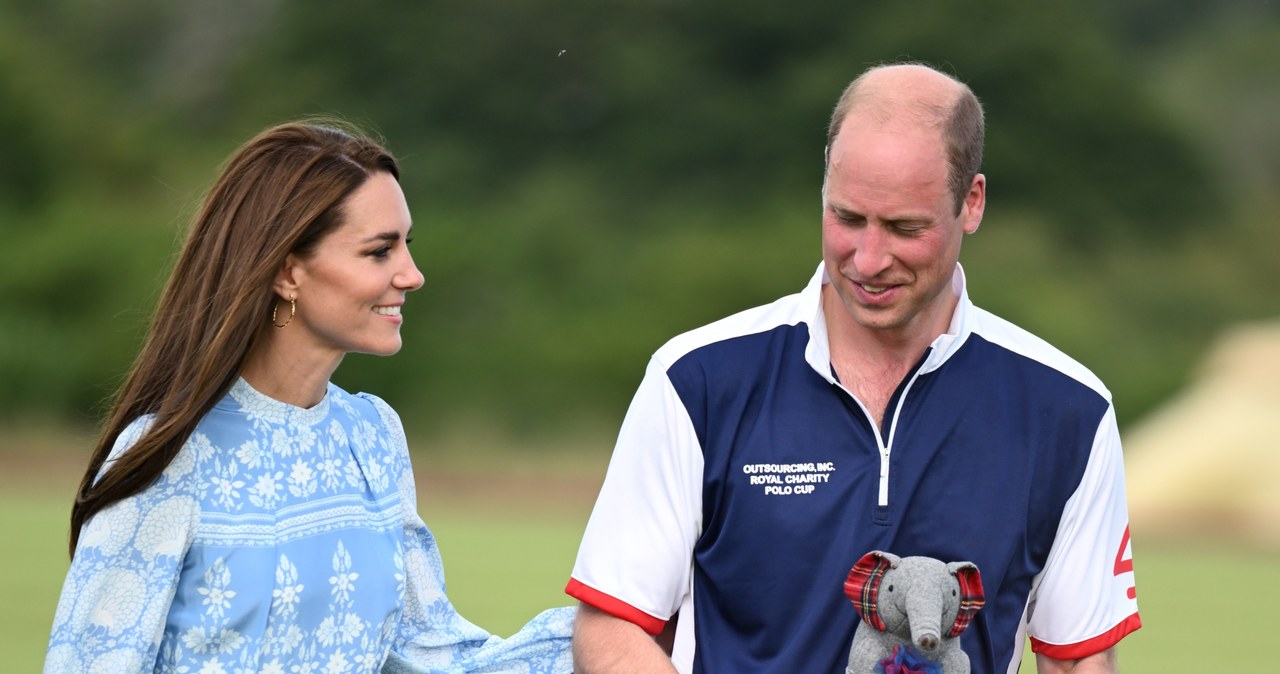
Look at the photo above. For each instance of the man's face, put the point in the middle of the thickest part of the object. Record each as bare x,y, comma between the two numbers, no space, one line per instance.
890,232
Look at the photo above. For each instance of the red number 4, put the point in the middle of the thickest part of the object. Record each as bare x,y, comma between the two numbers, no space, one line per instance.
1125,564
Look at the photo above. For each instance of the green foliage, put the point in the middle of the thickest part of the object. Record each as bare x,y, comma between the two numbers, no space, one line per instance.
590,178
1072,134
25,169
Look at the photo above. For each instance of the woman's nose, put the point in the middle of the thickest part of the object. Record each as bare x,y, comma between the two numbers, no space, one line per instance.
410,278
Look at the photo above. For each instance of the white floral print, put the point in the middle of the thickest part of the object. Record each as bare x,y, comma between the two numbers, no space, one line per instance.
343,580
279,540
288,590
217,597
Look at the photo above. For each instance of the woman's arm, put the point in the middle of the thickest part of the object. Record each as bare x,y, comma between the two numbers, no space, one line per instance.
122,579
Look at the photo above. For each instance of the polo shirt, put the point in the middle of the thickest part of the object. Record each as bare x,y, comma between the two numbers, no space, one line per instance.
746,481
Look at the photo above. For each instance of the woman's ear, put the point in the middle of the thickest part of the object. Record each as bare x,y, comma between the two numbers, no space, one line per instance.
287,278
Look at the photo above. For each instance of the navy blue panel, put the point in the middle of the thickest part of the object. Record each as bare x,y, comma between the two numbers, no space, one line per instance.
987,450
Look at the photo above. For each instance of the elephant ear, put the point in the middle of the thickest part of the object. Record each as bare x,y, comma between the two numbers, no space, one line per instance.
863,585
972,597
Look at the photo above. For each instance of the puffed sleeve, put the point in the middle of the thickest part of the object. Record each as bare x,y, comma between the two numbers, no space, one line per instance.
433,636
111,614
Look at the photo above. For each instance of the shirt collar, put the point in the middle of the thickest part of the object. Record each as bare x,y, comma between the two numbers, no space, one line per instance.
818,352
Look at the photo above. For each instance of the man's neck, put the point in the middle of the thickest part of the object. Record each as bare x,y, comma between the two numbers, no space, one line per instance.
882,348
872,362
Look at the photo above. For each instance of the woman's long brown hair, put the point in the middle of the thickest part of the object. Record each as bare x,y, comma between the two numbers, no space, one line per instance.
280,193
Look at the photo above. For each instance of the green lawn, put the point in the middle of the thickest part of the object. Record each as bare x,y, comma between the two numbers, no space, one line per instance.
33,559
503,567
499,573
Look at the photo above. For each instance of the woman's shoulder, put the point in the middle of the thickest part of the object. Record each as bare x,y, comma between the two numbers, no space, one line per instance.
386,414
133,431
196,448
364,403
381,413
169,502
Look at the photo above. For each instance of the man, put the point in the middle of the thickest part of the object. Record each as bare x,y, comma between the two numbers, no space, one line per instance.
878,409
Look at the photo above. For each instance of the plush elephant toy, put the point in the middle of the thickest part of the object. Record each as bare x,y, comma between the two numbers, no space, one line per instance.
915,609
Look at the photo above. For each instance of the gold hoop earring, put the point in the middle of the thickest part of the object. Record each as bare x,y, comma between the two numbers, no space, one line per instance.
293,309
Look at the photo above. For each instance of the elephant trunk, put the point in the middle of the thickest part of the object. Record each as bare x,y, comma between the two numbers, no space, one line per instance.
925,611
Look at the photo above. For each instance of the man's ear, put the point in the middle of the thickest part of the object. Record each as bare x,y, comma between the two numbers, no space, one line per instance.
975,203
288,277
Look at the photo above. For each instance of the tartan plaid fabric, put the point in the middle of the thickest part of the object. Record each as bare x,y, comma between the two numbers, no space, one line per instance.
863,587
972,598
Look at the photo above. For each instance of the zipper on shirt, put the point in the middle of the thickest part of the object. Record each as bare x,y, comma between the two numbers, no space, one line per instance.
886,446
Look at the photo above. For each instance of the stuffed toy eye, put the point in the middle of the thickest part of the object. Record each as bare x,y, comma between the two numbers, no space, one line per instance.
891,588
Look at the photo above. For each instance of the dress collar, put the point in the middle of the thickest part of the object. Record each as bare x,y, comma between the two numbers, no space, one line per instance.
264,407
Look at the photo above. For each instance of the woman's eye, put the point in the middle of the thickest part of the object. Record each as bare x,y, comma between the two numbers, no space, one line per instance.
381,252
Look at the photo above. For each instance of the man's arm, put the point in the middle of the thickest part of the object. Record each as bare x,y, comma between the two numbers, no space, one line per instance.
1098,663
604,644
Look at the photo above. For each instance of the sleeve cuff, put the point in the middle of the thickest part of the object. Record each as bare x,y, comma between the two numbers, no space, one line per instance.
1088,647
614,607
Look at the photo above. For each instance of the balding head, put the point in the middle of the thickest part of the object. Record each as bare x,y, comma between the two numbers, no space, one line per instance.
917,95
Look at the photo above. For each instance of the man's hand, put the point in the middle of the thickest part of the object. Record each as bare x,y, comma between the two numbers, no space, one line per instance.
603,644
1098,663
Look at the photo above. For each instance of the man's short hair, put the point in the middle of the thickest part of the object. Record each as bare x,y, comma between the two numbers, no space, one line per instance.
963,129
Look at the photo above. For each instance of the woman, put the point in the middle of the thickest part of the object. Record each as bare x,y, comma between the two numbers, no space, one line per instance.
240,512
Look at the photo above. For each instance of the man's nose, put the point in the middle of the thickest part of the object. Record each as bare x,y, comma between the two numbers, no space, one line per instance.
872,254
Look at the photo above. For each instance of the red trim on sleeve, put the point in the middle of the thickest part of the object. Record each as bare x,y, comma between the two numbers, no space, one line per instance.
614,607
1086,648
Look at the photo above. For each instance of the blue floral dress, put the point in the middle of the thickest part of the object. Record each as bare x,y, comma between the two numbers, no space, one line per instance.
279,540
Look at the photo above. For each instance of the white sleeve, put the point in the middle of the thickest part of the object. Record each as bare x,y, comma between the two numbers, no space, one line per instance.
1083,601
636,557
111,614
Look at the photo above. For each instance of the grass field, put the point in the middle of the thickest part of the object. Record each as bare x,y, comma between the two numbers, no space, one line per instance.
509,536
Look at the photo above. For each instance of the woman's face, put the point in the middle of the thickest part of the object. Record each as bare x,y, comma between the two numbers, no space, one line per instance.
351,288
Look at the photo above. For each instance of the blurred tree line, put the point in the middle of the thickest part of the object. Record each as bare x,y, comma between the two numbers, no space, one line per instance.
591,177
